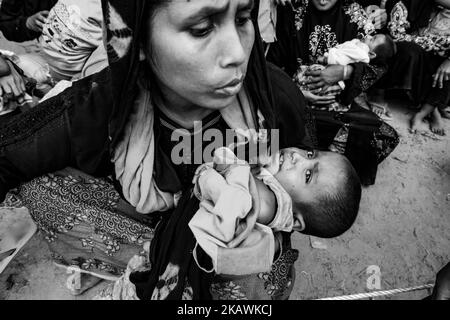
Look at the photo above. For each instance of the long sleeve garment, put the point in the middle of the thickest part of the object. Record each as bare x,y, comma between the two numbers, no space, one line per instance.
14,14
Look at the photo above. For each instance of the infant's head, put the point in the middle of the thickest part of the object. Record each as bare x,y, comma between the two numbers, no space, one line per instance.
324,188
382,48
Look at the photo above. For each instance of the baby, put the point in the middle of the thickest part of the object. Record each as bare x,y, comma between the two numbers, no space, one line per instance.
315,193
377,49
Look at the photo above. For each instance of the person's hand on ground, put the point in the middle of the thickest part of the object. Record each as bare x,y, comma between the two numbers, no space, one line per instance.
318,100
441,289
325,78
442,74
12,84
37,20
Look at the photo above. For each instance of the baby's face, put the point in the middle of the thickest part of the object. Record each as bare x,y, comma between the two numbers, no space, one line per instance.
374,41
305,175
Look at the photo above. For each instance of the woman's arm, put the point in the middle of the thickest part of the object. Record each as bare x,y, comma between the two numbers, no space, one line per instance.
359,77
329,76
294,118
33,143
70,129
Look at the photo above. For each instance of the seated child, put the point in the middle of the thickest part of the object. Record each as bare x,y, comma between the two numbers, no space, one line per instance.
315,193
377,49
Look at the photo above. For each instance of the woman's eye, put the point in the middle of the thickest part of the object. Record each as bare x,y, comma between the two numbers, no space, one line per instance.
202,29
308,176
240,21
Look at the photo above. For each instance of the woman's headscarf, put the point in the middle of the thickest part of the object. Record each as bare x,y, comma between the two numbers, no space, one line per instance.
133,140
124,22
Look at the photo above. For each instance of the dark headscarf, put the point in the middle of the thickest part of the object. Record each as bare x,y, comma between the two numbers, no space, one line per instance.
173,242
124,22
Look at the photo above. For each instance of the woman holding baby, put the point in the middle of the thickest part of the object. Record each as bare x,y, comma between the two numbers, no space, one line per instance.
101,180
310,29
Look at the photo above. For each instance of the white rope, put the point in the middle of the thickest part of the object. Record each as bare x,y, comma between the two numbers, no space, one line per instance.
374,294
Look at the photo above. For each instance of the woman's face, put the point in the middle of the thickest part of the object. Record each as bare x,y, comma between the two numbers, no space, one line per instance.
324,5
199,50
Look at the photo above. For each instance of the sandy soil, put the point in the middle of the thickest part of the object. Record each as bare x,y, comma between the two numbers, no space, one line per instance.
403,228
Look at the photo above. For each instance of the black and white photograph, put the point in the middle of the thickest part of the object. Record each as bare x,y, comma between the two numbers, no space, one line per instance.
225,150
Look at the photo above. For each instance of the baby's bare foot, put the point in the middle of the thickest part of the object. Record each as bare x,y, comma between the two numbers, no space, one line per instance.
436,123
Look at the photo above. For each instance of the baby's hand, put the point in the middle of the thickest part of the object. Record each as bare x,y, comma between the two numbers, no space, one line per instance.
323,60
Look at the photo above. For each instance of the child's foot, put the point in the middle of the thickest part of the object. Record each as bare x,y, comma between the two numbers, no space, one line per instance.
436,123
381,111
445,113
417,125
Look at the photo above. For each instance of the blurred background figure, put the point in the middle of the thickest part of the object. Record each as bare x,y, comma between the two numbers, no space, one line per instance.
23,20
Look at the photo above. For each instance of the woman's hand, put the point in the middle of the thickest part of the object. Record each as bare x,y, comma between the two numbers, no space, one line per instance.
318,100
326,77
442,74
37,20
12,84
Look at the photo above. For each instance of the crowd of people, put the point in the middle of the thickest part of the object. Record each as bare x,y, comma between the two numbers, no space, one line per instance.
88,120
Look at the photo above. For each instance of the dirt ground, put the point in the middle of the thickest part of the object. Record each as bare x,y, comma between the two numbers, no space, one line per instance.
403,228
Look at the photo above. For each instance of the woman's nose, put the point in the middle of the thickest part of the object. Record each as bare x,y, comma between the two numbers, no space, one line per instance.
232,52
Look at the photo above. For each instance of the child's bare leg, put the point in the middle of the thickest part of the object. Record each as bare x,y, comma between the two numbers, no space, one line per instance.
417,123
436,123
378,104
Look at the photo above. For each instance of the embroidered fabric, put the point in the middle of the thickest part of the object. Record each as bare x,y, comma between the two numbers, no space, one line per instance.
399,27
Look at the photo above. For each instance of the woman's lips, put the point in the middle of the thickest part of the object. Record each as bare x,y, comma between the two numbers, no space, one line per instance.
232,88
